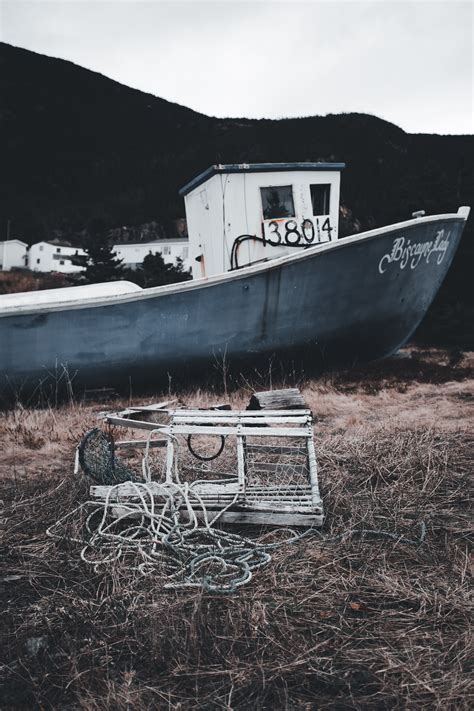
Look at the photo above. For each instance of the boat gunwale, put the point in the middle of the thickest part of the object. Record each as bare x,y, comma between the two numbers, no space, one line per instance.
238,274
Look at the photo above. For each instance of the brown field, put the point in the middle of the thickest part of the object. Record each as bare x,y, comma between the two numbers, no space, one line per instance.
24,280
336,621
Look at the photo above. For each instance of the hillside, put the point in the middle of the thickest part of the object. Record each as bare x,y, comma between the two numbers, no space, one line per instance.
77,145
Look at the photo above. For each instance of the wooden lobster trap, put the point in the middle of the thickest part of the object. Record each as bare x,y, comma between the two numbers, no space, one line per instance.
255,467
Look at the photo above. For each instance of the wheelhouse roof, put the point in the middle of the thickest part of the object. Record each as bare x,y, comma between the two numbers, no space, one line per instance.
255,168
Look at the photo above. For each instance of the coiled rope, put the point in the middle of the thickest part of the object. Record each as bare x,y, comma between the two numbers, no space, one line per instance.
148,529
192,553
189,554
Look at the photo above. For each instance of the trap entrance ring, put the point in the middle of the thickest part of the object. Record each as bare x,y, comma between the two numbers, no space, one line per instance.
266,473
201,457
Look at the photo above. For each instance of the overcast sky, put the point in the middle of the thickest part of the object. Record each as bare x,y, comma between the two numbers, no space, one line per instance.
408,62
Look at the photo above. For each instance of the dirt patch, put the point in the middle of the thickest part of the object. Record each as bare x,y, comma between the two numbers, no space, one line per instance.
408,366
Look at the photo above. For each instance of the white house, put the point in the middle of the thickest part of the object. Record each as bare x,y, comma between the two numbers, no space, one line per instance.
243,214
133,254
53,256
13,253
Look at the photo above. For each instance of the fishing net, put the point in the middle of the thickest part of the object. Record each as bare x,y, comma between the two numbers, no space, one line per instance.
98,459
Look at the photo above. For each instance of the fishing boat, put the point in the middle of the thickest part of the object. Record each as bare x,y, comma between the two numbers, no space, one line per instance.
272,278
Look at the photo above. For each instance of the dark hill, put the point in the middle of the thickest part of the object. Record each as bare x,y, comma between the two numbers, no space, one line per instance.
76,145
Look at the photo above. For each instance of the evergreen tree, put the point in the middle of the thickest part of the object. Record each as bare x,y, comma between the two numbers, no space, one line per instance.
156,272
102,264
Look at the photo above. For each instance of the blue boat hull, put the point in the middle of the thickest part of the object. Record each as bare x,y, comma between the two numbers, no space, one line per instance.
357,299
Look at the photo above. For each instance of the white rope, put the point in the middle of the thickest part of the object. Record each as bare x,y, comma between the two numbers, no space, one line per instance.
165,529
188,553
146,457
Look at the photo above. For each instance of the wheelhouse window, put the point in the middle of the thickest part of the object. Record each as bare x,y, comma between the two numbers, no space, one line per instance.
320,195
277,202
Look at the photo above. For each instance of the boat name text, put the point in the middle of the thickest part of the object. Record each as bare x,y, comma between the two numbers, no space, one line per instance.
404,252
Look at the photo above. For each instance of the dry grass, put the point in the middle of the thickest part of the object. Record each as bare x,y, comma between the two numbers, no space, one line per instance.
352,623
17,281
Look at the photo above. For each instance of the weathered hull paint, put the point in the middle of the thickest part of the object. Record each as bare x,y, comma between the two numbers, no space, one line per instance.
357,299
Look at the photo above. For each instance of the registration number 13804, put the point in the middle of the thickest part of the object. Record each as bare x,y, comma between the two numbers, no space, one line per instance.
293,234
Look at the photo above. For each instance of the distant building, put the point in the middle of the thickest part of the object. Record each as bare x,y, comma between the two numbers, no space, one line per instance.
54,256
13,253
133,254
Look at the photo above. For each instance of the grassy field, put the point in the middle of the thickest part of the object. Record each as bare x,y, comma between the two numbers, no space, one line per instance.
337,621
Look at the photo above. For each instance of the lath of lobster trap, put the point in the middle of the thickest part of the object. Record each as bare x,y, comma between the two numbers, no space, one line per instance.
256,467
